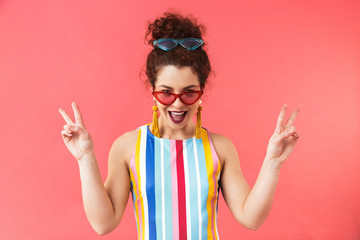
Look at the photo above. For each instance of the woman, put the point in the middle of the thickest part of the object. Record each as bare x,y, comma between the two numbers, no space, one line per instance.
173,167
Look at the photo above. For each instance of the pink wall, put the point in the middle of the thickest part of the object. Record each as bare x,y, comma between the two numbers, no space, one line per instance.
264,53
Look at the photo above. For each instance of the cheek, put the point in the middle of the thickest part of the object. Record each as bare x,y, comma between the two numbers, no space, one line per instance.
162,109
194,109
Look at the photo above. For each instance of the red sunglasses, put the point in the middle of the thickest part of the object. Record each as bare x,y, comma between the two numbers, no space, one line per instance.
167,98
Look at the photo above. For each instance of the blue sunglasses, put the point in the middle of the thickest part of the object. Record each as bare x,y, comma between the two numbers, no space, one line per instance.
169,43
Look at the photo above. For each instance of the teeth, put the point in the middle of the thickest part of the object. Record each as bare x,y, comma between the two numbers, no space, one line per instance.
177,117
177,114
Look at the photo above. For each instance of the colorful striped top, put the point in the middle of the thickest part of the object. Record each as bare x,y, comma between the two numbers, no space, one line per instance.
175,187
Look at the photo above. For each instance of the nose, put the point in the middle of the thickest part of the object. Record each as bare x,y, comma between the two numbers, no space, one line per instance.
177,103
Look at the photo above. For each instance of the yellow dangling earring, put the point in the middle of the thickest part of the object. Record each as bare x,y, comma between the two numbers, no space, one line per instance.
155,122
198,123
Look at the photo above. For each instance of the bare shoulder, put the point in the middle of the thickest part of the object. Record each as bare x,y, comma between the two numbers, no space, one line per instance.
123,147
219,139
127,137
224,147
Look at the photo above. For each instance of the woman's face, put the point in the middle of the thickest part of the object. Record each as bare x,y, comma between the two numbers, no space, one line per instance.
177,80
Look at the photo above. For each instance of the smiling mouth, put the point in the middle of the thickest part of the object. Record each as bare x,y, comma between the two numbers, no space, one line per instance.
177,117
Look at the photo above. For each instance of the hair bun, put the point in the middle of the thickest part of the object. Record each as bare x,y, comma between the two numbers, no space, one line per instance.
173,25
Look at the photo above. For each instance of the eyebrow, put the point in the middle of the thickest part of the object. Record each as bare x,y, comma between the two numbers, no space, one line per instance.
187,87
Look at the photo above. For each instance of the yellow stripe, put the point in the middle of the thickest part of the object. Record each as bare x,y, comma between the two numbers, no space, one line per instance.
136,187
136,199
137,166
217,194
210,171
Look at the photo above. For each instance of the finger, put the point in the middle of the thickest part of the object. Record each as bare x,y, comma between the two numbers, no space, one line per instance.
296,135
70,127
66,116
65,133
280,122
78,117
292,118
68,131
73,129
290,132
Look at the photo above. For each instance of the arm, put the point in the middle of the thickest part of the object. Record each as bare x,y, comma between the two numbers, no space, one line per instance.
104,205
251,207
97,203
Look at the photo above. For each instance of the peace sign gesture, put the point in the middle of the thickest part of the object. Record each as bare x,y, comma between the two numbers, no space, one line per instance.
284,139
76,138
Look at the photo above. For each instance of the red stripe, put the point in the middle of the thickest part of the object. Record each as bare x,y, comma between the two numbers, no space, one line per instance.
181,190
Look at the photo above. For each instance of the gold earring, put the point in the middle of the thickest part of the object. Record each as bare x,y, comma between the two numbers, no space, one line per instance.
155,126
198,123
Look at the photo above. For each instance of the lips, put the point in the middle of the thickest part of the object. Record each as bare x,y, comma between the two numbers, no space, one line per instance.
177,116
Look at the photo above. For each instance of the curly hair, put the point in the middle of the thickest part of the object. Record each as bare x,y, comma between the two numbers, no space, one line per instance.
173,25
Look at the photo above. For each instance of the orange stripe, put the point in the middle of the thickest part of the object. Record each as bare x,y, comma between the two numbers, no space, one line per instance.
140,199
217,194
215,181
210,171
135,186
136,199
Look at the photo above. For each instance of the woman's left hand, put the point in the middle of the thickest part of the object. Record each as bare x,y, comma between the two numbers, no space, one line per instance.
284,139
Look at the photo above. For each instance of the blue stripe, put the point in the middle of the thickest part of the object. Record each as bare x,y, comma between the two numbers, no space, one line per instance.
158,191
168,191
193,190
204,184
150,185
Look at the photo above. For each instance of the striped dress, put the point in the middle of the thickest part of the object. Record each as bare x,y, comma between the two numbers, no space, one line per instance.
175,187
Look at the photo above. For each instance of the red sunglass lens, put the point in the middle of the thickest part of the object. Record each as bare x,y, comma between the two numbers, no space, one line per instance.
190,97
166,98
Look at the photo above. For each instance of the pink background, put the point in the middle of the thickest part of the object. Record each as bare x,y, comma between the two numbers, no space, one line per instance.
264,54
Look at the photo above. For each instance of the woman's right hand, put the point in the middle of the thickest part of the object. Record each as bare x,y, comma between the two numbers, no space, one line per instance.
76,138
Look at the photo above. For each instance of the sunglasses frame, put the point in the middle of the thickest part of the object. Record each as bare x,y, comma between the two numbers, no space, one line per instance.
155,94
177,41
